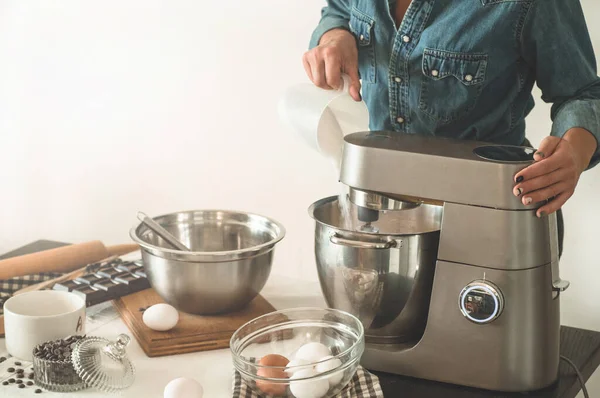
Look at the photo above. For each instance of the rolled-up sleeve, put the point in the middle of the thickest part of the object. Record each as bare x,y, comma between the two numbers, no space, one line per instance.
556,43
336,14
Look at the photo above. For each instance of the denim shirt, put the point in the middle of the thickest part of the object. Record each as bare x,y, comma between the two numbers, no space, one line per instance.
465,69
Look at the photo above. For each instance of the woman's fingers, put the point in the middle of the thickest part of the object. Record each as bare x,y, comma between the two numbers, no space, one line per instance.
537,169
545,193
543,181
547,159
352,72
317,68
555,204
306,65
336,53
546,148
553,177
333,70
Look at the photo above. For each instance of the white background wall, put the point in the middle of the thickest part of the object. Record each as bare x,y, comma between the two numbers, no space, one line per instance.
111,107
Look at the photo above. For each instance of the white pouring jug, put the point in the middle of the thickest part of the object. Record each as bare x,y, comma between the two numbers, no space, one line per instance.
323,117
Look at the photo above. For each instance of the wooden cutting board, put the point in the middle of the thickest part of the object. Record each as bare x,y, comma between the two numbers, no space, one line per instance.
193,332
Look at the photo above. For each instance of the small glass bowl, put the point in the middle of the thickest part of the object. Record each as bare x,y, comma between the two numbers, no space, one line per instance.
283,333
56,376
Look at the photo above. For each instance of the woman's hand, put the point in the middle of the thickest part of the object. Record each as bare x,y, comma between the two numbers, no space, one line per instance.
336,53
558,164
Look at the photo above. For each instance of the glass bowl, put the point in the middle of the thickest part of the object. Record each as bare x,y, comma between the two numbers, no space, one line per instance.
284,333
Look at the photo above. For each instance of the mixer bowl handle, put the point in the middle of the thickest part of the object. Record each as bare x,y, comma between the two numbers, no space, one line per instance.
358,244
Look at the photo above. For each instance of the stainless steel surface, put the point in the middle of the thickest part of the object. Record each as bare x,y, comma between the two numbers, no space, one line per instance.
359,244
428,167
517,352
481,302
211,235
163,233
377,201
558,284
495,238
561,285
229,264
421,219
489,242
386,286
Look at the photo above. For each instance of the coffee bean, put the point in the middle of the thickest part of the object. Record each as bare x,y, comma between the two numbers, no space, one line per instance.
21,385
19,381
38,391
5,383
58,354
18,363
11,370
30,383
2,359
11,380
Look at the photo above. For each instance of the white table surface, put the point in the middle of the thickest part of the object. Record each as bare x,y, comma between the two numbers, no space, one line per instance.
213,369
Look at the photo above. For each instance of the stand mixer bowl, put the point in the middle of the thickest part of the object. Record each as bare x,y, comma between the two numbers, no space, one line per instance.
382,274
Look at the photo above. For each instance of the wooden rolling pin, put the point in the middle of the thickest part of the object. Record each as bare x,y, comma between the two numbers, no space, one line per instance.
65,277
62,259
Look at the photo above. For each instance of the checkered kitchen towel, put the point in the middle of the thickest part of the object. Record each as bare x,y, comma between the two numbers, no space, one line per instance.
9,286
362,385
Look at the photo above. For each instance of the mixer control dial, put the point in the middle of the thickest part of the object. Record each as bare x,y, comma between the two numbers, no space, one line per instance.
481,302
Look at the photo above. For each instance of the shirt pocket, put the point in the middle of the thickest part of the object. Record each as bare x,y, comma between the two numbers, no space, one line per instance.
361,26
451,84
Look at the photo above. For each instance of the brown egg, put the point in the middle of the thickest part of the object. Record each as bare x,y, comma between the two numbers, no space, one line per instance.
269,387
273,360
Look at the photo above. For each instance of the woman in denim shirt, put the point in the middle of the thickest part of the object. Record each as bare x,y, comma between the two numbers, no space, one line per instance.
465,69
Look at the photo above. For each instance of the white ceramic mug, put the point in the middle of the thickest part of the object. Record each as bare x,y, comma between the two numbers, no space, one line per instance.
35,317
323,117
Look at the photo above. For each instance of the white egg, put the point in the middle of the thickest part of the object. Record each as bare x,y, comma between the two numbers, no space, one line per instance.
294,363
183,387
313,352
308,388
161,317
332,363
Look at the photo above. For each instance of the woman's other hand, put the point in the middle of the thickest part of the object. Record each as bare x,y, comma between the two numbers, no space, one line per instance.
336,53
558,164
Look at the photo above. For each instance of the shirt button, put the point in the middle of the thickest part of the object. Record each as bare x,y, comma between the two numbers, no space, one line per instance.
435,73
400,119
469,78
398,80
405,38
362,37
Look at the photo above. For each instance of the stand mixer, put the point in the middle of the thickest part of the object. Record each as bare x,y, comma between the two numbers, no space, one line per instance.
491,320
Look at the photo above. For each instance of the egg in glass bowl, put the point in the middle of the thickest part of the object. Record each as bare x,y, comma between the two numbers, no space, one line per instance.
299,352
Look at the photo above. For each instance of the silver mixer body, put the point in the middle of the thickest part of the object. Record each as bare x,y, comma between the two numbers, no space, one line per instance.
491,319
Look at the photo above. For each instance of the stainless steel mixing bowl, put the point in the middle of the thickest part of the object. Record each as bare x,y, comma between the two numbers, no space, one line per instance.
382,274
228,265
